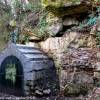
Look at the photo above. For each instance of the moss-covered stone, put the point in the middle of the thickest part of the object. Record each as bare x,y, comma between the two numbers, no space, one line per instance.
54,24
60,3
65,7
77,89
62,11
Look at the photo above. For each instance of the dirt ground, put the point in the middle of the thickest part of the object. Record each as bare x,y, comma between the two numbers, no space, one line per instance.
4,96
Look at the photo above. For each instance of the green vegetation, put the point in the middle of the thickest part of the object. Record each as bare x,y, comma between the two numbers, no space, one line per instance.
5,38
98,39
5,30
78,89
42,25
59,68
23,38
35,6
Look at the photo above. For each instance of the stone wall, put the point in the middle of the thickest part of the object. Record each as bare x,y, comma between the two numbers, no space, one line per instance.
56,47
77,59
73,44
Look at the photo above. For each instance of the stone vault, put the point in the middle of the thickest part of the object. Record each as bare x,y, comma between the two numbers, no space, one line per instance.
35,65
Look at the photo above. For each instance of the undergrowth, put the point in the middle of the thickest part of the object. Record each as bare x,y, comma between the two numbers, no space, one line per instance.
42,25
98,39
5,39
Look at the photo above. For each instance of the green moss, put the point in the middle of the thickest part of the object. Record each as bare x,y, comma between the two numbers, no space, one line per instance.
98,39
65,50
4,40
62,11
56,3
23,38
58,67
60,3
74,90
42,25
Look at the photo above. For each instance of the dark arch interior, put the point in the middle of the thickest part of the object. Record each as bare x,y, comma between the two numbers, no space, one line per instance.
11,76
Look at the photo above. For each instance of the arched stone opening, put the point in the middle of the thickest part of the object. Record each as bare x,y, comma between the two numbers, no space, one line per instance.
11,76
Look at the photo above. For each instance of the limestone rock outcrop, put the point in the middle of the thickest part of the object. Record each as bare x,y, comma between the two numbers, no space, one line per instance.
61,8
75,55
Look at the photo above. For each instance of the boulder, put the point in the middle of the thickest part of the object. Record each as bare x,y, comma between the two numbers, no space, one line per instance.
59,9
58,45
70,21
34,38
54,29
47,91
98,28
66,7
61,3
40,93
35,44
54,24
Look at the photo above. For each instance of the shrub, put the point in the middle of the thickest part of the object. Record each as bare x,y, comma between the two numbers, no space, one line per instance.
98,39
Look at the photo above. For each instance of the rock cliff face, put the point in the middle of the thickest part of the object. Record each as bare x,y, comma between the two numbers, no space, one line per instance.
58,10
73,45
72,30
75,55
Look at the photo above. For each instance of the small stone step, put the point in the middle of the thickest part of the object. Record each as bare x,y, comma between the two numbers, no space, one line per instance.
33,53
36,56
36,59
26,51
20,46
